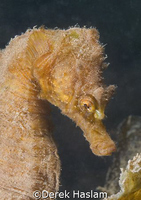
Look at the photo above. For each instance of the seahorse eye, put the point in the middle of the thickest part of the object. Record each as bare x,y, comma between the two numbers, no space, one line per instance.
87,103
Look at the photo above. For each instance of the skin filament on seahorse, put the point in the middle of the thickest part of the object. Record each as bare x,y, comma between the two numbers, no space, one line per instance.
64,68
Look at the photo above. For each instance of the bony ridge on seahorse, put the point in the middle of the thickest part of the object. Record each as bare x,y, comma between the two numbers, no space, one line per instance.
63,67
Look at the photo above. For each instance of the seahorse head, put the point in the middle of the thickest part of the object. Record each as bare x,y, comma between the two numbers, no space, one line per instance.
72,80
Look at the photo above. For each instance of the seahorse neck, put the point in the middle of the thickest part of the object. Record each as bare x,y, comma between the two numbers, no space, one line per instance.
20,90
28,152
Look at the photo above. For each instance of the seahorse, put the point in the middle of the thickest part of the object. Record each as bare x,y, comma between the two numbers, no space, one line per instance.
42,66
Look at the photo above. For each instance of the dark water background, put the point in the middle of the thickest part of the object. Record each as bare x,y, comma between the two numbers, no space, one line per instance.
119,24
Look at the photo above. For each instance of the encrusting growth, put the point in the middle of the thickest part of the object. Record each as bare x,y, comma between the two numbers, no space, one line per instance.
63,67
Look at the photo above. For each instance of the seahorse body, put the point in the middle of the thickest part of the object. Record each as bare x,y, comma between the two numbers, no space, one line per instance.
60,66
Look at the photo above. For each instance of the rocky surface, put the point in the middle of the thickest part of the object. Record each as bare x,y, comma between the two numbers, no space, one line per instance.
129,145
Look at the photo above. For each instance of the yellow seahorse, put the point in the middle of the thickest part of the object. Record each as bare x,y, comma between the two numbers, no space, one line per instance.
62,67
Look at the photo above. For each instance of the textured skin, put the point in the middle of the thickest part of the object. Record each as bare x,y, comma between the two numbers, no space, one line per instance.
64,68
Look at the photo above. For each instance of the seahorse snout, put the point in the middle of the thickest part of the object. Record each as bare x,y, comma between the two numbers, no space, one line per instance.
101,143
104,149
